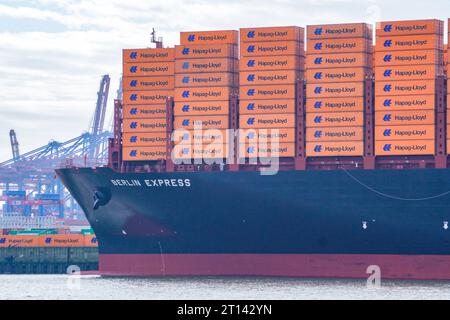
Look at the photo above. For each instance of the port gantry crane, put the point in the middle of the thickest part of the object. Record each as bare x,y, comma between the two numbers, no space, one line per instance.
28,180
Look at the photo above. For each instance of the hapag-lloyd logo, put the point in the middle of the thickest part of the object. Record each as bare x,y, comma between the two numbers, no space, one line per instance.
220,147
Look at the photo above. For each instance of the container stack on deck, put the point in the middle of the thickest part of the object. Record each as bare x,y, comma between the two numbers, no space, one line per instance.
339,61
148,79
272,64
409,62
206,78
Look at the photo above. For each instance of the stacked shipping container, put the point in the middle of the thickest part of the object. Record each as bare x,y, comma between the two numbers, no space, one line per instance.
408,61
272,63
206,77
339,61
148,78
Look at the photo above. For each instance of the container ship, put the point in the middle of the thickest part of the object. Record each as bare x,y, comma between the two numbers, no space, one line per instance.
356,130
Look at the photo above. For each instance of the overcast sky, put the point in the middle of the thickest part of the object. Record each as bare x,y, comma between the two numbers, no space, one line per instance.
54,52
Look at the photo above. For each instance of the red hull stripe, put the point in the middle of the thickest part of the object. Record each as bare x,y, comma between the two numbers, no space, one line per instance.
423,267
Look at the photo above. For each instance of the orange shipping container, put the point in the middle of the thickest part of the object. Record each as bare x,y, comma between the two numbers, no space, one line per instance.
339,45
144,139
338,60
209,37
146,97
249,136
334,119
254,150
395,103
212,151
19,241
266,106
337,75
346,30
144,125
267,92
202,108
418,132
148,83
202,94
206,65
218,79
267,121
416,42
319,105
412,72
206,122
272,63
330,90
148,55
291,33
335,149
191,137
61,240
410,147
408,58
90,240
269,77
148,69
206,51
421,117
335,134
400,88
144,153
146,111
272,48
409,27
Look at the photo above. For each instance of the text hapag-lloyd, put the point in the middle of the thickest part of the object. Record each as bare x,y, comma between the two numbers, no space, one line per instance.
153,98
151,183
412,73
144,125
206,51
339,105
415,147
340,46
410,103
206,108
280,34
276,63
274,106
271,78
410,118
340,60
410,58
212,38
154,69
410,88
341,119
340,75
340,31
210,65
143,55
410,133
342,148
158,83
415,43
272,92
340,90
200,79
207,94
272,121
152,139
340,134
152,112
273,48
414,27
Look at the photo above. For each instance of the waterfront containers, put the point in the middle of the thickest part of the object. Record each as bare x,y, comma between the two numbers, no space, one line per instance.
339,61
148,79
408,63
271,67
206,78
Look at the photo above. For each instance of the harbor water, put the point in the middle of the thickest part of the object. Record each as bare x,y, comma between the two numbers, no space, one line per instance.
216,288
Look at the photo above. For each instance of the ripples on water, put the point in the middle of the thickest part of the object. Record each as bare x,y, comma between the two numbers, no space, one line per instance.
93,287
